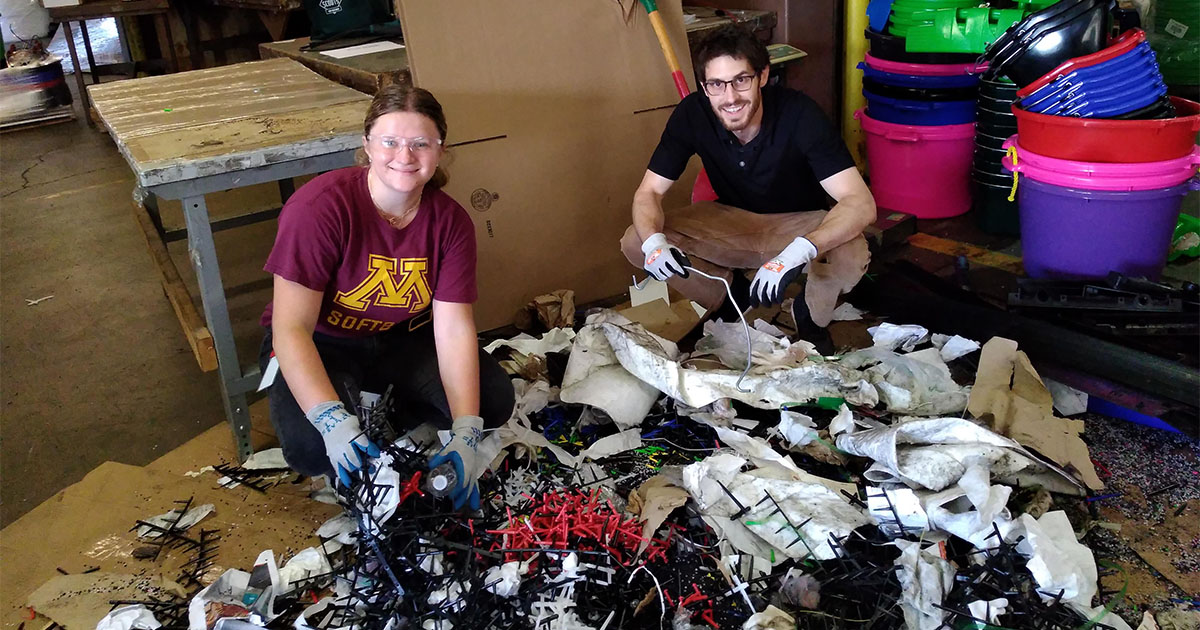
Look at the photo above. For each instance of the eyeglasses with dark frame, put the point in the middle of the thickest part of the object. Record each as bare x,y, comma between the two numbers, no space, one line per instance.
740,83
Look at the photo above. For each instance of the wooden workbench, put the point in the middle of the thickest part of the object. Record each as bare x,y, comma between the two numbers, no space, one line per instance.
115,9
273,13
365,73
189,134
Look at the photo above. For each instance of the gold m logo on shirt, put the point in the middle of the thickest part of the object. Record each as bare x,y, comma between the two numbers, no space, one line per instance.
392,283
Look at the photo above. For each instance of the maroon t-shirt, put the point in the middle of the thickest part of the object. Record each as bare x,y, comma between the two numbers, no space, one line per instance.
331,239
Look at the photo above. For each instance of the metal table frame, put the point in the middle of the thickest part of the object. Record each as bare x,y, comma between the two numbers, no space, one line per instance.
236,380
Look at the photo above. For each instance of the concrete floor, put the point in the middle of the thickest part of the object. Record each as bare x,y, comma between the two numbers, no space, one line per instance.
101,371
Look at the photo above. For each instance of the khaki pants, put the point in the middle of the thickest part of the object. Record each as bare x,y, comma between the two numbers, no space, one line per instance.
719,239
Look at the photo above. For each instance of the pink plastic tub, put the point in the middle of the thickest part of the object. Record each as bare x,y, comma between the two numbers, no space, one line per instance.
924,171
1100,175
924,69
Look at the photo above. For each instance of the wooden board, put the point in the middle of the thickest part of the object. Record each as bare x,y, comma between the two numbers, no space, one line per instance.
108,8
708,20
194,328
365,73
219,120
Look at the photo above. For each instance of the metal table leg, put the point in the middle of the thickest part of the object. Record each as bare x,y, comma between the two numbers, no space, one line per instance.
234,384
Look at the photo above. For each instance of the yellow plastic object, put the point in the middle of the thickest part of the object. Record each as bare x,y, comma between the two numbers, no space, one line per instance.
852,98
1012,156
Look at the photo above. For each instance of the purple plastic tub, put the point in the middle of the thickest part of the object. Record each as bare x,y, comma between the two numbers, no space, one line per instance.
1072,233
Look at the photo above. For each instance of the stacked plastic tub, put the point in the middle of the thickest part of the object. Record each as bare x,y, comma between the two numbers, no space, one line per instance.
1102,157
919,122
991,182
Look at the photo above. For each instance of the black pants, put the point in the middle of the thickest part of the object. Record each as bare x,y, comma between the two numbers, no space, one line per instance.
404,359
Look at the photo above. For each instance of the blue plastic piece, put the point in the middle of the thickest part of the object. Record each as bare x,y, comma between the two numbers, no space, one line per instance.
878,12
1113,410
922,113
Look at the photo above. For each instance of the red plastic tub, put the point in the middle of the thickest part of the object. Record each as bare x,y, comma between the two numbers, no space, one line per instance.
1104,140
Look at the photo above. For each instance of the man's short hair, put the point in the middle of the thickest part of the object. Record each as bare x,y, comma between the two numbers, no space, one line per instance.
731,40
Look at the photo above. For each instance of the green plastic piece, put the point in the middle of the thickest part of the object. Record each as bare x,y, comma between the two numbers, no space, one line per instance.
1186,241
961,31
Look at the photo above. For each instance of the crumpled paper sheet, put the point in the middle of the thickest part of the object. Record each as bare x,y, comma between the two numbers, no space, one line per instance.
554,340
518,431
951,348
822,511
1067,400
1010,396
658,498
989,610
135,617
770,619
843,422
82,600
727,342
649,362
934,453
595,377
164,520
902,336
553,310
1059,562
925,578
796,428
970,520
769,462
847,312
307,563
227,590
909,384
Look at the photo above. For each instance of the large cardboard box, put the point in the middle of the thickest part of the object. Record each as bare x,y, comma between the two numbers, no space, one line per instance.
553,110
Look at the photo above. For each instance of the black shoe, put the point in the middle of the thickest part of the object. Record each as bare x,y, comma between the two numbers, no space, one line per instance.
808,330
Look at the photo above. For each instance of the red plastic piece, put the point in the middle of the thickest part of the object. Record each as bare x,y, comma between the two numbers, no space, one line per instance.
410,487
708,618
1125,43
1103,140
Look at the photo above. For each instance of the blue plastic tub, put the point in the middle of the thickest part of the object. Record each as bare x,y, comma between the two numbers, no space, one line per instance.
1058,92
921,113
917,81
1090,106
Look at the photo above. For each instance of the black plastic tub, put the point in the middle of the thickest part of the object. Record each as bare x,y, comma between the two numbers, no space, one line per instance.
919,94
890,47
994,213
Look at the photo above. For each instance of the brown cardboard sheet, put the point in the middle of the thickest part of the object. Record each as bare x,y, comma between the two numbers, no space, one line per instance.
553,111
87,525
1009,394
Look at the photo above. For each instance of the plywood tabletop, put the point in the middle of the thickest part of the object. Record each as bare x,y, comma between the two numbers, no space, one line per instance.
182,126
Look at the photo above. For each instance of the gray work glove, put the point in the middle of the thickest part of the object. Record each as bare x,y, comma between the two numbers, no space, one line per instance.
462,451
664,260
345,443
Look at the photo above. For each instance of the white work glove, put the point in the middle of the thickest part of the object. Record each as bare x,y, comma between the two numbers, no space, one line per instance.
461,450
662,259
345,443
775,274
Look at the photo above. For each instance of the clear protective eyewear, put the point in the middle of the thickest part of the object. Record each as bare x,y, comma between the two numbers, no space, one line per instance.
415,145
741,83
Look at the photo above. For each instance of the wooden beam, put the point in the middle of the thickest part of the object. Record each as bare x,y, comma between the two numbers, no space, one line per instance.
973,253
194,328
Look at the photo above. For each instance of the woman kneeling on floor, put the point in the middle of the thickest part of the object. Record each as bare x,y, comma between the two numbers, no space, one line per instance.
374,271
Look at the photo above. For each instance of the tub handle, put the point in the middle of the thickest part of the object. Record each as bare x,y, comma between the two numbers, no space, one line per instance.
901,136
1196,155
1194,183
1010,160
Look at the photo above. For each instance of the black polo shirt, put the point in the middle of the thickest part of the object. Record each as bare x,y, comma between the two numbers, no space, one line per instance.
778,171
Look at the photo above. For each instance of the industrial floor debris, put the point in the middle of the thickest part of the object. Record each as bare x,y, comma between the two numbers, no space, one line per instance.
923,481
